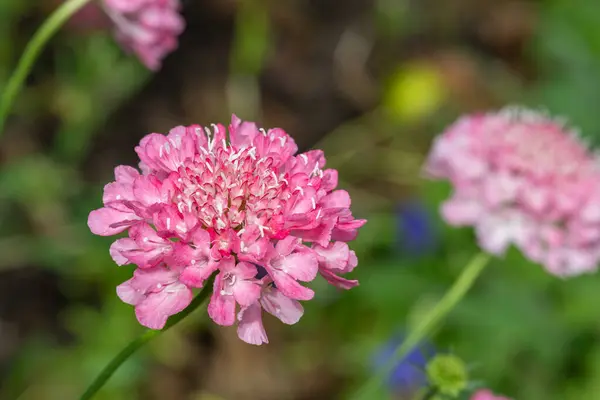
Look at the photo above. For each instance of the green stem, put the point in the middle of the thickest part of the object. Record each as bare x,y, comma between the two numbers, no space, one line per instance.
33,49
131,348
452,297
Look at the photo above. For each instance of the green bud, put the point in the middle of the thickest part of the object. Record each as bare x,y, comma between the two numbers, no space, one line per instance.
448,374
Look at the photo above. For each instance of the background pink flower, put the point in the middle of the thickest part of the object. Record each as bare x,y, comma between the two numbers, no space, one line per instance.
148,28
524,179
485,394
247,208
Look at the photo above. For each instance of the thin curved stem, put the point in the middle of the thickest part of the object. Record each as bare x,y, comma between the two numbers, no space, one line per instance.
452,297
131,348
33,49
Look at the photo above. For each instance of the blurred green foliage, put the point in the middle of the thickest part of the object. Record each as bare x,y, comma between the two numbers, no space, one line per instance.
528,335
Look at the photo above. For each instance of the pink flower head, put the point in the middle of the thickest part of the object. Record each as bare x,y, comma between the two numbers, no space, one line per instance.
524,179
244,206
485,394
148,28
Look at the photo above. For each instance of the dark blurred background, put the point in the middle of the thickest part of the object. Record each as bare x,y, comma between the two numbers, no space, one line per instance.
369,81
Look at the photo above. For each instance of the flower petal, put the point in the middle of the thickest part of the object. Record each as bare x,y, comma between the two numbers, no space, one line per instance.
108,221
221,307
289,311
250,328
154,311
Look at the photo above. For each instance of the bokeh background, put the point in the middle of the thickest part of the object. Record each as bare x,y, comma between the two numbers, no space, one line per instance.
369,81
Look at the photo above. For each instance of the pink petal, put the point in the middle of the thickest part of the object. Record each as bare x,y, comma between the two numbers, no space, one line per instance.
147,190
152,279
201,239
289,286
221,307
250,328
118,247
286,246
242,134
322,234
329,180
154,311
337,199
333,257
245,270
108,221
246,292
301,265
115,193
338,281
287,310
462,211
149,150
125,174
128,294
195,275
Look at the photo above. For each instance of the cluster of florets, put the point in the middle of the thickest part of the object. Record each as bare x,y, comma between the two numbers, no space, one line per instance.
524,179
248,207
148,28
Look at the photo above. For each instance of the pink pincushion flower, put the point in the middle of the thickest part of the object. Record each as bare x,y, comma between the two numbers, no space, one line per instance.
524,179
485,394
148,28
245,207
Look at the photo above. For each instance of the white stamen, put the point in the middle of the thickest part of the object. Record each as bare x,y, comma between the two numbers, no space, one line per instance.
168,223
118,197
305,158
282,140
262,130
314,204
298,188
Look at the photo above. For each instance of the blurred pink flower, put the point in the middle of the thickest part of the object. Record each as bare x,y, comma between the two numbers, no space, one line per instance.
88,19
148,28
485,394
522,178
246,208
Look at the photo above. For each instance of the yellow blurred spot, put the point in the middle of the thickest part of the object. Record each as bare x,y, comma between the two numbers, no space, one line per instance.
414,92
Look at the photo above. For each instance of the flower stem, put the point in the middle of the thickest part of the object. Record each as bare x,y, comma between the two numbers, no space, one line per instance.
131,348
452,297
33,49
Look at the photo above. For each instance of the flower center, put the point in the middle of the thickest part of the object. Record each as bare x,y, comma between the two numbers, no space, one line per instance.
226,189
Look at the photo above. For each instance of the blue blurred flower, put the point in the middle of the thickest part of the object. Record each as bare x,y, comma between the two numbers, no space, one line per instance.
409,374
416,231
